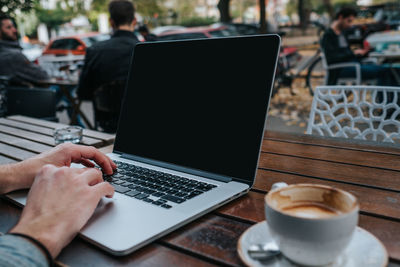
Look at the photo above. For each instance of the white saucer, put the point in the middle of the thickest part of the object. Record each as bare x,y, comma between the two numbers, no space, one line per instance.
364,249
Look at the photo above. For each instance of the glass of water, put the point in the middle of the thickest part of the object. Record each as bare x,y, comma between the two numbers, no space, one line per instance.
70,134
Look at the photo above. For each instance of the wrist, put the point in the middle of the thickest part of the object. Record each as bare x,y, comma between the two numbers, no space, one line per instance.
49,236
20,175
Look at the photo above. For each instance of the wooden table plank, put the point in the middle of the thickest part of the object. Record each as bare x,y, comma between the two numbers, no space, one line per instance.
14,152
340,155
45,131
23,143
6,160
250,208
212,237
44,139
107,138
333,142
107,149
40,138
80,253
359,175
374,201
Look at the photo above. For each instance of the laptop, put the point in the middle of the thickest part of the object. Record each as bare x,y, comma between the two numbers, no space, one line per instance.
188,139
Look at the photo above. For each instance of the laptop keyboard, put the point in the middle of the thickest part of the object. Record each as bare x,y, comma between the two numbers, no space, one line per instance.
155,187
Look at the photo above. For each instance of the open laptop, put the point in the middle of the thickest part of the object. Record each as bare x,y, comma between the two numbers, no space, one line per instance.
189,136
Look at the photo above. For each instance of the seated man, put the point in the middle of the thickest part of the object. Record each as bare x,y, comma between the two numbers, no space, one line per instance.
60,202
13,63
107,63
337,50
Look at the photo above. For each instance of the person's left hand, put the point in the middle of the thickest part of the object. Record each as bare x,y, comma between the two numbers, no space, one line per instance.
361,52
62,155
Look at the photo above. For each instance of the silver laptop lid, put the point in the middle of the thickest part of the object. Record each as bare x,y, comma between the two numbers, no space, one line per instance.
199,106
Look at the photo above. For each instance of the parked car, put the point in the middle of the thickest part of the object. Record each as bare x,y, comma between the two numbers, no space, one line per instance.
75,45
163,29
196,33
240,28
247,28
67,51
382,41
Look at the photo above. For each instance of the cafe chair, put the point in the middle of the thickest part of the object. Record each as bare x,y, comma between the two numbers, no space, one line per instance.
32,102
332,70
359,112
107,104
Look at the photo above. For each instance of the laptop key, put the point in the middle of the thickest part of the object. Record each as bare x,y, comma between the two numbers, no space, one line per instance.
142,195
157,203
132,193
147,200
173,199
120,189
166,206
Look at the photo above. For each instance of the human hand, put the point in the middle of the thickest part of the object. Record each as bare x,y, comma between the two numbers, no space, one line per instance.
60,203
62,155
361,52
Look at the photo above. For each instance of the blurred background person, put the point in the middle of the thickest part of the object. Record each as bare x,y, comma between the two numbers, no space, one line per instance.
13,63
144,31
107,64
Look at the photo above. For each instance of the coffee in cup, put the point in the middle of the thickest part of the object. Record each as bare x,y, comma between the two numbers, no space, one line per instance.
312,224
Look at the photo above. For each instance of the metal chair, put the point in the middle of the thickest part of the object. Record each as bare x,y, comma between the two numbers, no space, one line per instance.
33,102
359,112
331,79
107,104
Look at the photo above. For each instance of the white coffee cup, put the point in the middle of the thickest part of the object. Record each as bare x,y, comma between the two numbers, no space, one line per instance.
312,224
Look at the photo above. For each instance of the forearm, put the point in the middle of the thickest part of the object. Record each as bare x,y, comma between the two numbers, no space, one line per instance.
18,251
17,176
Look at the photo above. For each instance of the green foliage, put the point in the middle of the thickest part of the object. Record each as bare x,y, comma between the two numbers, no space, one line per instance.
65,11
197,21
99,6
317,5
10,6
238,7
149,8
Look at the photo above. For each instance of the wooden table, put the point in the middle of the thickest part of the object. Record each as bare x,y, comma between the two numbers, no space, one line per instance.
371,172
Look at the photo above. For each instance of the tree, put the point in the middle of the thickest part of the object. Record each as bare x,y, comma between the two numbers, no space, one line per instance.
10,6
263,17
223,7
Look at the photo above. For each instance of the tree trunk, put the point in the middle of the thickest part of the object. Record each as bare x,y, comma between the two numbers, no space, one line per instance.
263,17
301,12
329,8
223,7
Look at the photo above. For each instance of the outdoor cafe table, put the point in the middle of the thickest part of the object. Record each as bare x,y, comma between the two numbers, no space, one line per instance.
391,58
371,172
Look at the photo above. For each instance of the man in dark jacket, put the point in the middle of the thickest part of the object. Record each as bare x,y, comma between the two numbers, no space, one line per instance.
107,63
13,64
337,50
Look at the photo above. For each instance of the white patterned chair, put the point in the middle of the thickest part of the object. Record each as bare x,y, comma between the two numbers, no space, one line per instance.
359,112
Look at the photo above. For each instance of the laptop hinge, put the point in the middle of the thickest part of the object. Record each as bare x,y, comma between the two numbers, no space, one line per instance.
174,167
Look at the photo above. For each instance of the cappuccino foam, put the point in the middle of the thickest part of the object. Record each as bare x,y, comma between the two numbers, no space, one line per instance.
313,211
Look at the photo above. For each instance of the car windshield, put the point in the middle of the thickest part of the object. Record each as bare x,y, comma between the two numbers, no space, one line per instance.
66,43
89,41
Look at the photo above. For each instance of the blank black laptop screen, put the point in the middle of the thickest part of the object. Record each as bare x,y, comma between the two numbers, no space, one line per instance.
199,104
